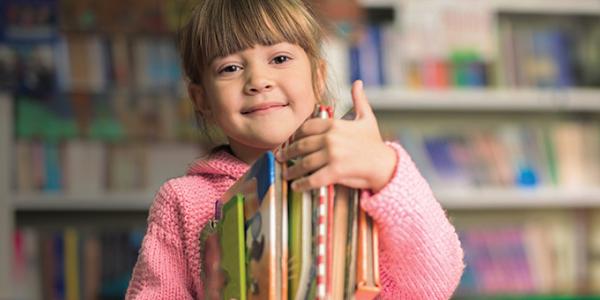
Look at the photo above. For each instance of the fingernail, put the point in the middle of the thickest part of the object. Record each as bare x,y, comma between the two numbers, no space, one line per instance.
360,84
277,154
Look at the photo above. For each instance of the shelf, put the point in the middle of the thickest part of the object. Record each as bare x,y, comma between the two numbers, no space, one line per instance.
58,202
525,100
572,7
498,198
485,198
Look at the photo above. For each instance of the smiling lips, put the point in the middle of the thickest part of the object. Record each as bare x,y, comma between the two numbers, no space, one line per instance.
263,108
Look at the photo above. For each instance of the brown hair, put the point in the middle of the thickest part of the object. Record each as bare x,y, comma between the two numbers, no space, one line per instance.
219,28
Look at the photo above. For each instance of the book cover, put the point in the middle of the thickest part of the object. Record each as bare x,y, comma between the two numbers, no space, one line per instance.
231,237
263,216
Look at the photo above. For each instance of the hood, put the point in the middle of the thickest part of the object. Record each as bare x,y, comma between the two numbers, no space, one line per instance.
219,162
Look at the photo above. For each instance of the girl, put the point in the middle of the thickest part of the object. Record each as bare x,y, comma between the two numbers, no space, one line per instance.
255,70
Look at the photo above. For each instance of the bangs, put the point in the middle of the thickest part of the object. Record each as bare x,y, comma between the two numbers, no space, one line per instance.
229,26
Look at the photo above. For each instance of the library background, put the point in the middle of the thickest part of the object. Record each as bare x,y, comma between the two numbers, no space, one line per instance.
497,101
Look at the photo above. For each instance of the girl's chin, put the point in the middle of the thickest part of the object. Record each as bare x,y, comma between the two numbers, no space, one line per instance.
265,145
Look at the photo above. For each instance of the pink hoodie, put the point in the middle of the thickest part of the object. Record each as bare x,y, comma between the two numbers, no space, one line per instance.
419,251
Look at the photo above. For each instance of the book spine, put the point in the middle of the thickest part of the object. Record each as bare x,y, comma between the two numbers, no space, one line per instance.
324,229
322,245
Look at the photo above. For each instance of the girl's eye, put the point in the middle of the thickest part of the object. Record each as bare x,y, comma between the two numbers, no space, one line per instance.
230,69
281,59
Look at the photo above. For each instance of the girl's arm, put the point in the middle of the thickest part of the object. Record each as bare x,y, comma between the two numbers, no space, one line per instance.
419,252
161,271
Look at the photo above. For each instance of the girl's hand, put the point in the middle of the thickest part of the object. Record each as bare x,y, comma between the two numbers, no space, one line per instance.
351,153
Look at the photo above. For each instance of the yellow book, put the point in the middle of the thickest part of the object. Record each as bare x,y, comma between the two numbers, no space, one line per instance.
71,265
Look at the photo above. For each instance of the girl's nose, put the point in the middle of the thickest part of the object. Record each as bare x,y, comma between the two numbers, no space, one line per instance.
258,82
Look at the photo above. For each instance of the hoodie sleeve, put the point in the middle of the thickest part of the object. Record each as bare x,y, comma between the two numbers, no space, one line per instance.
160,271
419,252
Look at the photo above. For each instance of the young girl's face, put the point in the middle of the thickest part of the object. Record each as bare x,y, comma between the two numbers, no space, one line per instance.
259,96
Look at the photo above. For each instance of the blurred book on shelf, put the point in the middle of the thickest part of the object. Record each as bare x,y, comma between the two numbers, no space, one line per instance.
87,167
72,263
563,154
149,16
469,43
549,51
529,253
28,20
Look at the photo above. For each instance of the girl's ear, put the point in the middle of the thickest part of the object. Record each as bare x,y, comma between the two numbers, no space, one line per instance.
198,97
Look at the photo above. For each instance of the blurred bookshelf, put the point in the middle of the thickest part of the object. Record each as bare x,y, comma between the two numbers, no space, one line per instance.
488,88
498,105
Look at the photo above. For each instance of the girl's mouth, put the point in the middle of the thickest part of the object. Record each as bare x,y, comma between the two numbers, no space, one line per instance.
263,108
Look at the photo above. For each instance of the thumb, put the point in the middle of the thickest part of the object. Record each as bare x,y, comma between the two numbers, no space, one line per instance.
361,103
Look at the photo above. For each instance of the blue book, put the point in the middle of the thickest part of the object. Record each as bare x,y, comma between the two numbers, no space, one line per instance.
59,266
370,57
553,52
355,70
53,170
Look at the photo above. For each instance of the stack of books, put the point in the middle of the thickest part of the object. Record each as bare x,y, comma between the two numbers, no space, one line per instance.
270,242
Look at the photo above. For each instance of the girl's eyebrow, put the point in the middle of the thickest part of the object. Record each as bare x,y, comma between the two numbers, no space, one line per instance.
217,60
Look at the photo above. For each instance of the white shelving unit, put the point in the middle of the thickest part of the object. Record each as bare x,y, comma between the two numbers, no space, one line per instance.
498,198
568,100
463,198
572,7
6,210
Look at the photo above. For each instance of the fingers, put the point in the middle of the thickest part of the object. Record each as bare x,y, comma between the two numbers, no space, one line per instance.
306,165
301,147
316,180
313,127
361,103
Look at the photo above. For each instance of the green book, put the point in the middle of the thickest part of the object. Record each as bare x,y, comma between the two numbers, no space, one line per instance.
233,260
222,248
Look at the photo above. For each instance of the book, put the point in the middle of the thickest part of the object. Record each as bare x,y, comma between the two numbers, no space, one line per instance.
262,195
367,270
231,236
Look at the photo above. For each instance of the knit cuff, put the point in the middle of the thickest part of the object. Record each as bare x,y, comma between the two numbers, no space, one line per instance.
398,192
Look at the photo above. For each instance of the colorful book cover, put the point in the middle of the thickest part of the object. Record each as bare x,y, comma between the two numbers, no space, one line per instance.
261,188
224,272
263,236
231,237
